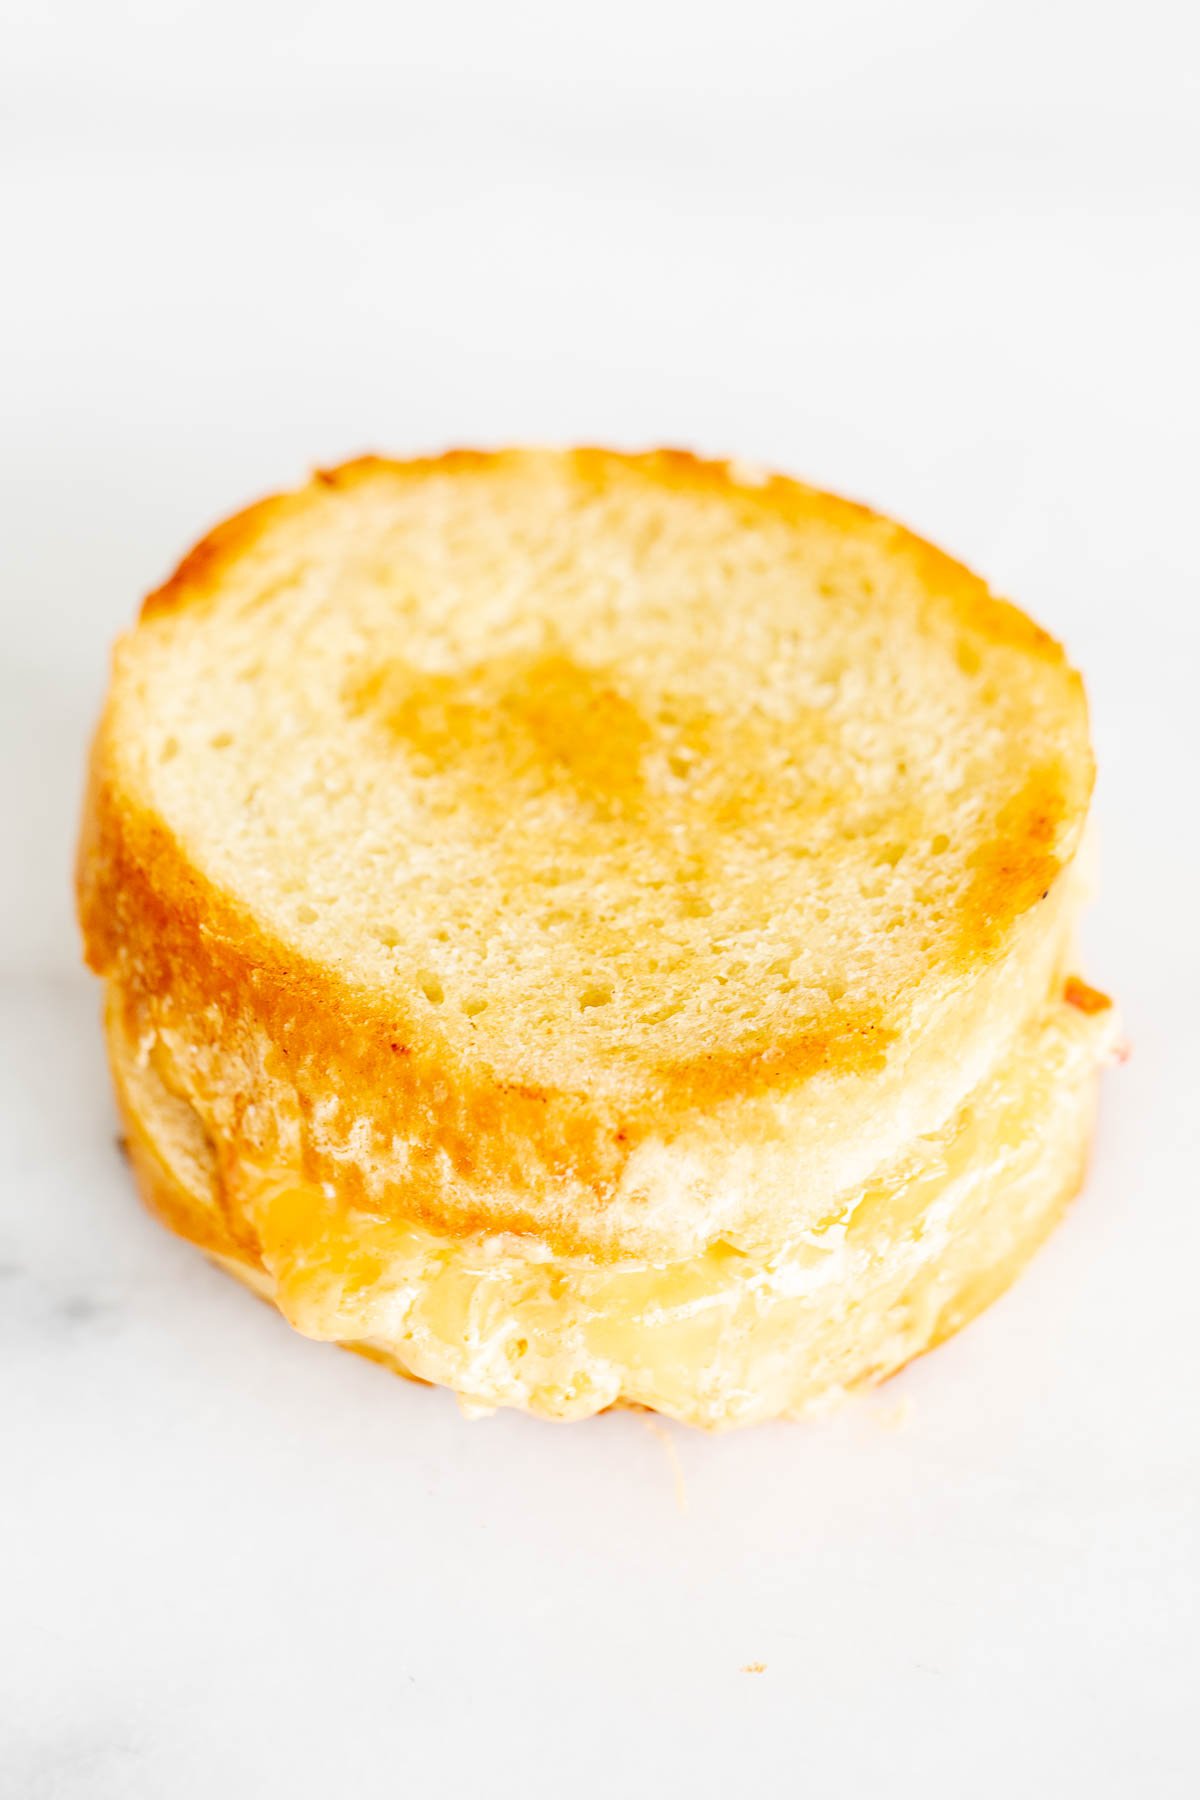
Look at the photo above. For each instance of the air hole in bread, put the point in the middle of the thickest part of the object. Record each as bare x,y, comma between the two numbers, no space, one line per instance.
432,988
967,657
170,748
388,936
307,915
474,1004
940,844
221,740
598,993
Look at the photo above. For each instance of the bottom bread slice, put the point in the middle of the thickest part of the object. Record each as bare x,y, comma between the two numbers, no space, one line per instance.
723,1338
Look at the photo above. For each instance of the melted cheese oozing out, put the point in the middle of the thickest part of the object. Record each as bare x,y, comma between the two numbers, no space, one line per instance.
724,1337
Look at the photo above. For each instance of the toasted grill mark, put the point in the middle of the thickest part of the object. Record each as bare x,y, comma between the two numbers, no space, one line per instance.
540,721
581,727
515,727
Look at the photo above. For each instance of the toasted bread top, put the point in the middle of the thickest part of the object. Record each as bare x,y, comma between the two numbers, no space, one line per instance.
580,787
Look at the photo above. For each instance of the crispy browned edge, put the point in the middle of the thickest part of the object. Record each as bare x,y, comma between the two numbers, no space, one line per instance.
175,942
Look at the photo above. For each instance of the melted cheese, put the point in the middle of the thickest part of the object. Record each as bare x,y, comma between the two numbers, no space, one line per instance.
725,1336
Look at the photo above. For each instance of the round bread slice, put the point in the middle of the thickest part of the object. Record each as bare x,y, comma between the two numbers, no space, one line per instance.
591,928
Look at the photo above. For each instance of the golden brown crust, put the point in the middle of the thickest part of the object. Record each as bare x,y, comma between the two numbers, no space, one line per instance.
993,620
176,946
170,942
200,572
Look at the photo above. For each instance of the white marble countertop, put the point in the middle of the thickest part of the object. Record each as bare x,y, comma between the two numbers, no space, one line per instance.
934,260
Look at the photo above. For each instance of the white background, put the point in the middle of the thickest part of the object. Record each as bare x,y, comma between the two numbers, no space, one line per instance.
941,256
